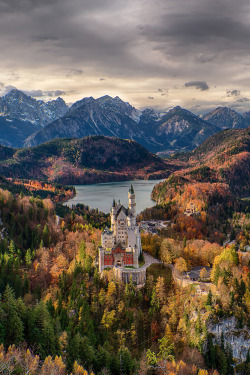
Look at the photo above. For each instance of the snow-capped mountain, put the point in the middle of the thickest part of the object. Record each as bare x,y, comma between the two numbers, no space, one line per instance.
116,105
89,117
177,129
18,105
112,117
184,130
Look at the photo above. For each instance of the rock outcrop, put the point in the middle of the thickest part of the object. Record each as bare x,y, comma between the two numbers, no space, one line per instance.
237,338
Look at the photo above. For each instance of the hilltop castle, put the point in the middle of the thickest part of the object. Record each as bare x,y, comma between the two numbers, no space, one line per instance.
121,245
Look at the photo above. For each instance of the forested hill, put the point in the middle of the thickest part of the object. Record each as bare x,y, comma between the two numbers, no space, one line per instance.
222,158
222,145
79,161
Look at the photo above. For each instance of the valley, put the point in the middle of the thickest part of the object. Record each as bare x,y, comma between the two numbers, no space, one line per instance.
124,187
95,322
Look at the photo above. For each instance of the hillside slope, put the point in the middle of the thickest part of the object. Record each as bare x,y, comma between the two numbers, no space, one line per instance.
79,161
13,132
223,158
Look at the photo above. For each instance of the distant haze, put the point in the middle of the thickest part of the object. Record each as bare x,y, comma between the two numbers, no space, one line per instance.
160,53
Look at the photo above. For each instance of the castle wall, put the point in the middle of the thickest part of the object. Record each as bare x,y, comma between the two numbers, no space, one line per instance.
101,259
107,241
138,277
131,237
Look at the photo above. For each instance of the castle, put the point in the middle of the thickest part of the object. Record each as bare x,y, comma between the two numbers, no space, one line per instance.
121,245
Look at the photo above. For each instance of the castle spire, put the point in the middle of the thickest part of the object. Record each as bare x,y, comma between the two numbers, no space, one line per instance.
113,205
132,205
131,189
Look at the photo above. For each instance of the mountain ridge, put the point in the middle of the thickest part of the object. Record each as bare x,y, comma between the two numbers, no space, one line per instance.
178,129
79,161
175,131
226,118
21,106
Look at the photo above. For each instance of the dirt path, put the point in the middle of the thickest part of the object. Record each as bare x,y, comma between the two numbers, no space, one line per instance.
149,260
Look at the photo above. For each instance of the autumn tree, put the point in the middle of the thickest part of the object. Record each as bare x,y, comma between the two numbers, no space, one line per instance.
181,265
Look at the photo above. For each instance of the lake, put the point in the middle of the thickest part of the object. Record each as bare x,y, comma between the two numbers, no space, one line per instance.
101,195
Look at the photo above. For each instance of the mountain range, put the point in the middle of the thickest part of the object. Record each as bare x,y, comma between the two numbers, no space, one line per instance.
176,130
223,158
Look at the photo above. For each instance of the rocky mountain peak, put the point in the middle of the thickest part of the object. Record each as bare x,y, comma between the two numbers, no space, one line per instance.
23,107
104,98
180,111
82,102
226,118
17,94
148,115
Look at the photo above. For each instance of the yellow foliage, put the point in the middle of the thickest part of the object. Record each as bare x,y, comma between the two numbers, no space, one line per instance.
108,318
63,340
53,367
121,307
202,372
2,352
79,370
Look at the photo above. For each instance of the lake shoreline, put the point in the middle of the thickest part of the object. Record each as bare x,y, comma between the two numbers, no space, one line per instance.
100,196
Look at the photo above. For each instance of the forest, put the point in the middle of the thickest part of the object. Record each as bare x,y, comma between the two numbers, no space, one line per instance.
89,160
59,316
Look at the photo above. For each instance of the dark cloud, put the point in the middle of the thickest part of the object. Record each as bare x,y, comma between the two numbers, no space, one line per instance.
35,93
162,92
63,31
157,44
107,34
59,92
150,97
243,100
233,93
205,26
203,58
7,89
74,72
17,6
199,85
40,93
236,106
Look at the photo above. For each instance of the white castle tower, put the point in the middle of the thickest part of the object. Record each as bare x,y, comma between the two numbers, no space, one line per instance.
121,245
131,207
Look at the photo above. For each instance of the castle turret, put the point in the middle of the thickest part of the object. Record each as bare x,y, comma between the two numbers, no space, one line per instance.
112,214
131,201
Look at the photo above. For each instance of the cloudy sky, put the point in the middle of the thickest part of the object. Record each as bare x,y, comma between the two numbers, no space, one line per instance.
159,53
